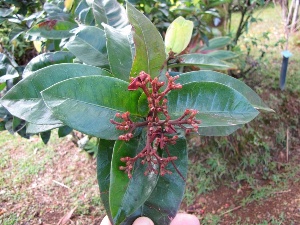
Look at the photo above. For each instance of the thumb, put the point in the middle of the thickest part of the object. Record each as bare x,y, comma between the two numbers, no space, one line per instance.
143,221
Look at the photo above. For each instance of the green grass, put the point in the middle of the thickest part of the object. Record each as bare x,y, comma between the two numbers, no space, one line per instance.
26,164
12,219
269,36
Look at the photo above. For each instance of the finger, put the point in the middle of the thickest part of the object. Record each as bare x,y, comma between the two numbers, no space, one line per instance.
143,221
105,221
187,219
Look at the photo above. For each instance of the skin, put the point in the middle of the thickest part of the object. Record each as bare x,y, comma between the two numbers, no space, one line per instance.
180,219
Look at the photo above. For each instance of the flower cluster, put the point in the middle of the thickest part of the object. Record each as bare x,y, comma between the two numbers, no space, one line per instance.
160,132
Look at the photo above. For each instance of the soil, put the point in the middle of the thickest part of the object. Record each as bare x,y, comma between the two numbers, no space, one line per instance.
226,202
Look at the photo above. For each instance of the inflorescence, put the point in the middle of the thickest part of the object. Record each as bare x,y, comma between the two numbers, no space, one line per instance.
160,132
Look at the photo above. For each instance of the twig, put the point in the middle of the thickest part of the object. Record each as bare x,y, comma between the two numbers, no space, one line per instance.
61,184
287,144
175,167
231,210
281,192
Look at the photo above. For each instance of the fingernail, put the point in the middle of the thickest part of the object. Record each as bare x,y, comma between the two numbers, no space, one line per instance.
143,221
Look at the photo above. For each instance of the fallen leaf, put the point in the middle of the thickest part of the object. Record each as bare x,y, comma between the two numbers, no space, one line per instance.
66,217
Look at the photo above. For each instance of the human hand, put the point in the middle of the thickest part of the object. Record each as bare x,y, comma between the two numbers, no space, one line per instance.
180,219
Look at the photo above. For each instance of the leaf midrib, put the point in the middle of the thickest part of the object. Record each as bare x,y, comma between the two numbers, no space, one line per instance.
88,103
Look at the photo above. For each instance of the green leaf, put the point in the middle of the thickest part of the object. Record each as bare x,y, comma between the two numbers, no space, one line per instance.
149,46
64,131
32,128
89,45
52,29
202,60
109,12
3,113
164,201
4,12
55,10
212,76
24,99
218,105
84,13
5,60
18,124
88,103
7,72
143,105
119,51
47,59
127,195
178,35
104,156
15,33
2,126
2,86
45,136
222,54
217,42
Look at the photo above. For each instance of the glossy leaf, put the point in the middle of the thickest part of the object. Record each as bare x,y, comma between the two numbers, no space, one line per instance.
218,105
88,103
222,54
202,60
149,46
104,156
164,201
217,42
89,45
84,13
7,72
56,11
15,33
109,12
47,59
212,76
127,195
119,46
52,29
24,99
32,128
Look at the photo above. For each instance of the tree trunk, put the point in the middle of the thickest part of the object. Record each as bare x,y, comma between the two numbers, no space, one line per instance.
285,8
295,17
